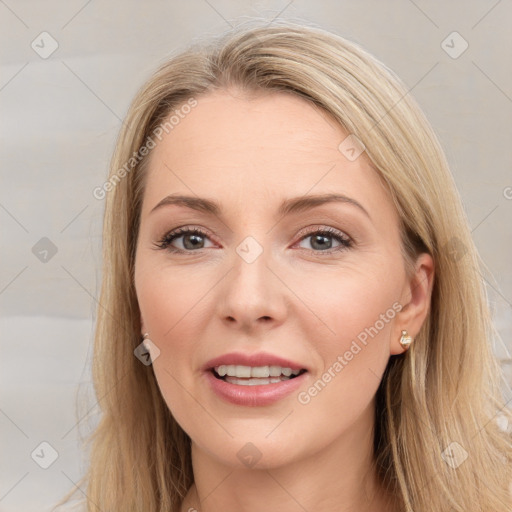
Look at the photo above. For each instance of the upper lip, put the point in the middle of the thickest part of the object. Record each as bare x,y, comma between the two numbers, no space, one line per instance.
259,359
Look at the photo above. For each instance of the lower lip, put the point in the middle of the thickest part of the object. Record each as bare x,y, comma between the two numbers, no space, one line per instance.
254,396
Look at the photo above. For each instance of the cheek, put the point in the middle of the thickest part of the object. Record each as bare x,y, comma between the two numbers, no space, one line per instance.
357,311
171,301
172,304
354,303
353,351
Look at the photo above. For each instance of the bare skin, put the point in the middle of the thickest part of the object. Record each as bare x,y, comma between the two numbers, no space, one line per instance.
306,298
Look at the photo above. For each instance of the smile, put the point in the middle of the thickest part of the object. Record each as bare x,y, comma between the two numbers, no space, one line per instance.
254,375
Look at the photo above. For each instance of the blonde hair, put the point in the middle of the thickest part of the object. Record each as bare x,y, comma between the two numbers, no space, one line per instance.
444,390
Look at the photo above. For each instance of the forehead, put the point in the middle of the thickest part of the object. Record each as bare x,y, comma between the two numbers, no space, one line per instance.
240,147
236,121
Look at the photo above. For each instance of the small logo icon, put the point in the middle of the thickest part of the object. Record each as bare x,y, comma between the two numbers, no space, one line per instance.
146,352
454,455
351,147
454,45
44,45
249,249
249,455
44,455
44,250
455,249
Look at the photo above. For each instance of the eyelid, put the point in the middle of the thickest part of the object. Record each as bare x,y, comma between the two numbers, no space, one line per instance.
345,240
183,230
322,227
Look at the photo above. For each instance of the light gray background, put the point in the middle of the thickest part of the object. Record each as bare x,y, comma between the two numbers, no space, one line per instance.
60,116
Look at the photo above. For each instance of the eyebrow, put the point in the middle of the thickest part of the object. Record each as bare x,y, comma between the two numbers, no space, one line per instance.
287,207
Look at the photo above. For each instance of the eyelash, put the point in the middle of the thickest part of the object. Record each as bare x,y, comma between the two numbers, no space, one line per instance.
168,238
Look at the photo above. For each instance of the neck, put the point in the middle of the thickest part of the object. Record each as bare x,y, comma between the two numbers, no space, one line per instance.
339,477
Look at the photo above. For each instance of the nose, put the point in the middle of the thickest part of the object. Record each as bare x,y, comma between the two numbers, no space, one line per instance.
252,296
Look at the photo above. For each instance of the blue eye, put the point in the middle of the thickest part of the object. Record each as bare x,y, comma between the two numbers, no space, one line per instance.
191,238
194,238
320,238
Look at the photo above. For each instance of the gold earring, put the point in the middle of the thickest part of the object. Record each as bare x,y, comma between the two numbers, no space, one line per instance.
405,340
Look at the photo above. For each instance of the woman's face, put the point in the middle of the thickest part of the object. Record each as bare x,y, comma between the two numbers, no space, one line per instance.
263,288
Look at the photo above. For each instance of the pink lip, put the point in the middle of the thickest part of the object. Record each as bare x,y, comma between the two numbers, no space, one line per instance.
260,359
253,396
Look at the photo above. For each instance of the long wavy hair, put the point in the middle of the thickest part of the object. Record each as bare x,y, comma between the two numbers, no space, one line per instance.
440,397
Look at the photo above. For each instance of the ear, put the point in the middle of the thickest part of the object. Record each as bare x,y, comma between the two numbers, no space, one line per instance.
416,295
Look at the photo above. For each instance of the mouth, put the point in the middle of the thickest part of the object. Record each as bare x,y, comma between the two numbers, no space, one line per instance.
255,375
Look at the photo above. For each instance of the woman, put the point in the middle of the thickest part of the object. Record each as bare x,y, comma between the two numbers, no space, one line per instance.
284,242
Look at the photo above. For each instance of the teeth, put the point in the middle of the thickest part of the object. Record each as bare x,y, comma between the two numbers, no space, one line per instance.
222,370
275,371
261,373
244,371
255,381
